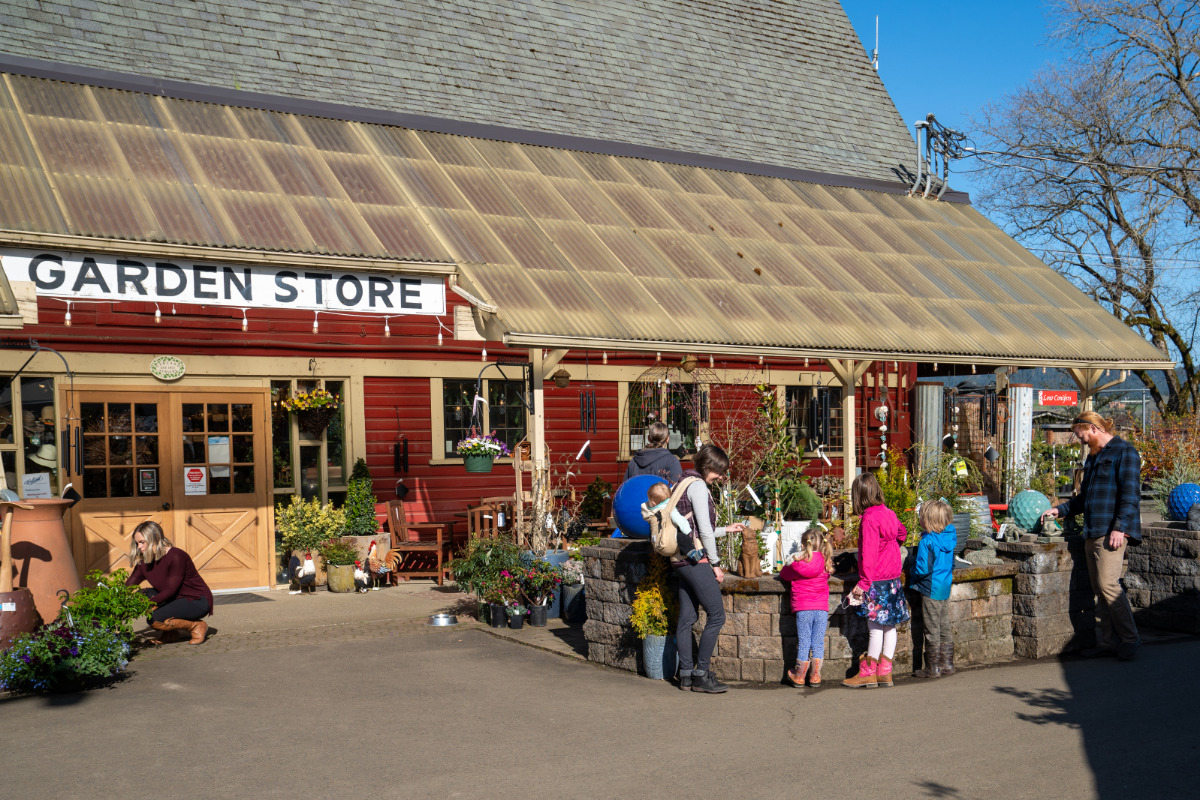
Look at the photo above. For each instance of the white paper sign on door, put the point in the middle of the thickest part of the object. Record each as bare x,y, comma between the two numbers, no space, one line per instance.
218,449
36,484
195,480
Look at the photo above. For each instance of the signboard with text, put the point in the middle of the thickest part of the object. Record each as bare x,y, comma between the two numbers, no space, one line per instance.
1057,397
111,277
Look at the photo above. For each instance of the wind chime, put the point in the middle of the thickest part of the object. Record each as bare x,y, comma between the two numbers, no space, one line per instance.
587,402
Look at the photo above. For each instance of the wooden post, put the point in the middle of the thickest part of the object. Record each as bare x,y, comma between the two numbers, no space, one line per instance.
1088,381
848,373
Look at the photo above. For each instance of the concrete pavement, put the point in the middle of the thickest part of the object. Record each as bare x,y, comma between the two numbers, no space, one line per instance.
329,697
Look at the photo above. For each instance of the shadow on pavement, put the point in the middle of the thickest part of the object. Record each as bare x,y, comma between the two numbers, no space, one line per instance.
572,635
932,789
1130,715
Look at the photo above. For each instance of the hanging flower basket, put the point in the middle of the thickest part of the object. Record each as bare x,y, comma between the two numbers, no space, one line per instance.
314,410
315,421
479,451
478,463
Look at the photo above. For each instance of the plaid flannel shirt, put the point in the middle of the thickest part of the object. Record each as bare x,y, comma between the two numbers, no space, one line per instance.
1111,494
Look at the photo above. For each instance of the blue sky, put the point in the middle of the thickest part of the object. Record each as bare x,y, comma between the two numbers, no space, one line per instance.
951,58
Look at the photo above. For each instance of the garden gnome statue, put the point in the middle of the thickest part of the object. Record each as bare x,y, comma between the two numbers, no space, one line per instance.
749,565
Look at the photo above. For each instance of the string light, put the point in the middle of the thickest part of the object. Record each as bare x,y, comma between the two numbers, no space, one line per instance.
935,366
1043,370
806,362
604,356
710,361
972,369
896,365
657,357
67,318
760,360
157,315
387,329
245,322
316,321
483,356
441,328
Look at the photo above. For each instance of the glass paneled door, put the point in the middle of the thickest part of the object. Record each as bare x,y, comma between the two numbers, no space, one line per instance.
192,460
125,439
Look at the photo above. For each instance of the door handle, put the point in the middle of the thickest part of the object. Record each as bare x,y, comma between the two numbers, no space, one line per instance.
166,506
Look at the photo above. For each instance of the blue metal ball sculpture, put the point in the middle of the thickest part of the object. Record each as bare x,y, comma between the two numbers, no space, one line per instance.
627,505
1026,508
1181,499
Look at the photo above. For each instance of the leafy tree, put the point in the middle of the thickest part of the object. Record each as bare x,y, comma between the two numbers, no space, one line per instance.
1094,166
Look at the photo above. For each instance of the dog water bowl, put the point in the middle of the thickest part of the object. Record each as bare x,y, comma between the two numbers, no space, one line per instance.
442,620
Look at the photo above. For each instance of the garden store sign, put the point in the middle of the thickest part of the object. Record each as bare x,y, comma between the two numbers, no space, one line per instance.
103,277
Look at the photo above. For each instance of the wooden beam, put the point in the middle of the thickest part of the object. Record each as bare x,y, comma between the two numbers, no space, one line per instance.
551,359
848,372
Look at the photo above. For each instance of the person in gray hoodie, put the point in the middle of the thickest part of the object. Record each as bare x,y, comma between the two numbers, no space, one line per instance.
932,575
655,459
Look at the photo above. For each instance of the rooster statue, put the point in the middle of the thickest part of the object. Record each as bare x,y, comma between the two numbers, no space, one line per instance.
305,574
377,569
362,581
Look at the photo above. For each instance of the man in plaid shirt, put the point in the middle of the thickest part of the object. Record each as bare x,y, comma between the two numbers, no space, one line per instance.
1110,501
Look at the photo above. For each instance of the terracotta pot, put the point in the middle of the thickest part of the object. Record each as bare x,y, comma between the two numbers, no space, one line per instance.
41,554
23,618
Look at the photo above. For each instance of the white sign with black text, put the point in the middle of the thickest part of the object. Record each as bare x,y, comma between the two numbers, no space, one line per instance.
111,277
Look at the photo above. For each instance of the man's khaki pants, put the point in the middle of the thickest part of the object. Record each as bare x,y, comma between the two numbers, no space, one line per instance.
1112,605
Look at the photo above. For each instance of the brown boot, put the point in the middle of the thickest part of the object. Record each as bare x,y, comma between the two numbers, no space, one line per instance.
796,676
197,628
814,675
865,679
932,668
166,633
883,672
946,650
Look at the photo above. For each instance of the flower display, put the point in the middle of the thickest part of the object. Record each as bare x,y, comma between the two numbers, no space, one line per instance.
308,401
478,444
60,654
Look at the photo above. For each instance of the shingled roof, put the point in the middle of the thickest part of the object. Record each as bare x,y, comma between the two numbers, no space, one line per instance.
779,83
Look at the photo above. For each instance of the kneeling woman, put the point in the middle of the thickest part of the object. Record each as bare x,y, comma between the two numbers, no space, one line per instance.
182,596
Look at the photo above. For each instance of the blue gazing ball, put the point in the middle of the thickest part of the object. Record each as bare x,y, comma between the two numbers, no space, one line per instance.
1181,499
1026,508
627,505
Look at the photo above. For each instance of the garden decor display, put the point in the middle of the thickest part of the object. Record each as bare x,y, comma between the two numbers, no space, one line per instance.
749,565
627,505
61,656
1026,508
41,553
1181,499
339,555
314,410
479,451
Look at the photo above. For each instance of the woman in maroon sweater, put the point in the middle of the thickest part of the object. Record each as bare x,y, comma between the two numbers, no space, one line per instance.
183,598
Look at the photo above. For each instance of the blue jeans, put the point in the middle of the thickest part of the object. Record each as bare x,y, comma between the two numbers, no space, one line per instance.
810,630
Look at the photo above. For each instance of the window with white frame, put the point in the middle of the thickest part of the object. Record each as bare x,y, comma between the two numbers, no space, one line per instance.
504,412
304,461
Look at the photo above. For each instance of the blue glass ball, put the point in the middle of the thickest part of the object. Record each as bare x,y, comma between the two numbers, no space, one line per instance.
1181,499
1026,508
627,505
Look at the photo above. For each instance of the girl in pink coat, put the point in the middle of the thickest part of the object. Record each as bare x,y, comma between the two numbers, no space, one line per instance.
808,573
879,590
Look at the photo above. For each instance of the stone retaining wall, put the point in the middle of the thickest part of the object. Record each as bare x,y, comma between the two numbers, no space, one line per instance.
1163,578
758,640
1053,609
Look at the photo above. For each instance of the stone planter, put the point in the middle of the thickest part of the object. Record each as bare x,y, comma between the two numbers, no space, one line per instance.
341,577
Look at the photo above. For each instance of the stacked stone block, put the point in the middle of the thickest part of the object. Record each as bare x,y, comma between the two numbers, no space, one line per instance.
758,641
1163,578
1053,609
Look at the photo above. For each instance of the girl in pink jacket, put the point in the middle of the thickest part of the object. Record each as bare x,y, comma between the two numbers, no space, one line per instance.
808,573
879,590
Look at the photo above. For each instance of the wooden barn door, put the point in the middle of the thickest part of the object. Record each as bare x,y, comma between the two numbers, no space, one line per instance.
221,487
127,438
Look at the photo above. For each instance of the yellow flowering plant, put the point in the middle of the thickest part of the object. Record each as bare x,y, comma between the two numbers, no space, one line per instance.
654,608
308,401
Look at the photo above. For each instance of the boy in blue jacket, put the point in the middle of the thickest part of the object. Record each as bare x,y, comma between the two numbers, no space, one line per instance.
932,574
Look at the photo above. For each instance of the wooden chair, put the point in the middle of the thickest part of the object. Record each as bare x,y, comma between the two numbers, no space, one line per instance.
483,520
412,558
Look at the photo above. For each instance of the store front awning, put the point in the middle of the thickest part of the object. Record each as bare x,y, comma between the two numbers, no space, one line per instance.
558,248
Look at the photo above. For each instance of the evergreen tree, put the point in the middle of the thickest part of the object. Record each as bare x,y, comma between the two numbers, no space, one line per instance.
360,503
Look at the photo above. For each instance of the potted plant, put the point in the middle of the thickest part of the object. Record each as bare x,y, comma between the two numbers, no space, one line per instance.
303,524
63,656
339,555
314,410
516,614
573,609
478,451
538,584
106,602
654,611
477,567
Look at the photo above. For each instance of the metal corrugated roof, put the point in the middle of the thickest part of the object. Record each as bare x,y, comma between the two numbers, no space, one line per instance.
574,248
